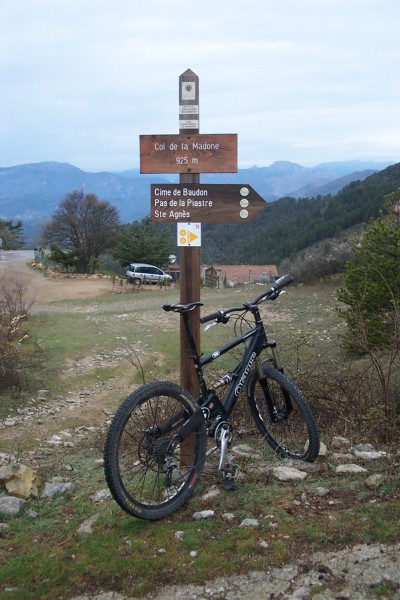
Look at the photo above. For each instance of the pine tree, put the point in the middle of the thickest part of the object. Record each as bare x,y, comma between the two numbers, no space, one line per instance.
145,242
371,291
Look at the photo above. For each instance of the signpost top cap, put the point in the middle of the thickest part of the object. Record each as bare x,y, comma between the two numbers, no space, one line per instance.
188,73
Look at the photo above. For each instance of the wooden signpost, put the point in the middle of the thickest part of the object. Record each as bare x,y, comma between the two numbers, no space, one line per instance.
189,256
189,154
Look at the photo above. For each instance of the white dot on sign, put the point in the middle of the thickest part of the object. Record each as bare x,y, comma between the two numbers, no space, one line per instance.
244,203
244,214
244,191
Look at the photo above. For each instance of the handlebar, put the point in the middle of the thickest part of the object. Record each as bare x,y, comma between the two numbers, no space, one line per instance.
221,316
273,293
217,316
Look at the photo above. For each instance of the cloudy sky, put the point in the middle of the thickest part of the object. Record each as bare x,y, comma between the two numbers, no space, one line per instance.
307,81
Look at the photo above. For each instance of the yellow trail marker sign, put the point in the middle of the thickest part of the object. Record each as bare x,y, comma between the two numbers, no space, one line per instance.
189,234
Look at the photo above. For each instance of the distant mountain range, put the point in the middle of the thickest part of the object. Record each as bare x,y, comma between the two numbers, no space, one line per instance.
32,192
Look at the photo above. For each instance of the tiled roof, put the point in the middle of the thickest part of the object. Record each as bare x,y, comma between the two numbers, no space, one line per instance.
243,273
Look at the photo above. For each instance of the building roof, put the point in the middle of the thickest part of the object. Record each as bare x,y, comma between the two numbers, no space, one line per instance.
244,273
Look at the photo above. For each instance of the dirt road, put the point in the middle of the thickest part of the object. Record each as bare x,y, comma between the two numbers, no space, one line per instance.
46,288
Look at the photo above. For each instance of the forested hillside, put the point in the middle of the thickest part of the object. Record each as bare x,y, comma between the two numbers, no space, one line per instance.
290,225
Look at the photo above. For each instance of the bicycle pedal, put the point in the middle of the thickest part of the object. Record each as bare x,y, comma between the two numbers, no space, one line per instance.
230,475
229,484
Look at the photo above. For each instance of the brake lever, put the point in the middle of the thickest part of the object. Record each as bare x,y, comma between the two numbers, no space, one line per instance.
212,324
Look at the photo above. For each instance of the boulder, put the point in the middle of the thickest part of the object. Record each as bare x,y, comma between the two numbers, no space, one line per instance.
19,480
288,474
10,505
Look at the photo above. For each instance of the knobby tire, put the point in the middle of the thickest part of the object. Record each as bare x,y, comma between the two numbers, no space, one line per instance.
283,416
141,479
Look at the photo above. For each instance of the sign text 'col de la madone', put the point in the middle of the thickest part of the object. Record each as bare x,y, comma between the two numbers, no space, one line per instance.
188,153
204,203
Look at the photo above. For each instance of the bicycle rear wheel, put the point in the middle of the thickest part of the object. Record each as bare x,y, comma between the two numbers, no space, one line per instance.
146,478
282,415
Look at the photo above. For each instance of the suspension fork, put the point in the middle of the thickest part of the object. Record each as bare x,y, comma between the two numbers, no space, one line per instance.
263,381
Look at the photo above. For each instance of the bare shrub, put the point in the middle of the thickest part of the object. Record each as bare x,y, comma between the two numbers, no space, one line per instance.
313,268
346,399
14,308
10,376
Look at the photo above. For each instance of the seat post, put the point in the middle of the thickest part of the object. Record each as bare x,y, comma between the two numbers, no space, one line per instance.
194,351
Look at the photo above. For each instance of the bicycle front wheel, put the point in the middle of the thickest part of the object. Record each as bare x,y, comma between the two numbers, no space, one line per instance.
282,415
147,478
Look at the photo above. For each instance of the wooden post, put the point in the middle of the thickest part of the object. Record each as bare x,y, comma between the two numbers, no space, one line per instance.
189,256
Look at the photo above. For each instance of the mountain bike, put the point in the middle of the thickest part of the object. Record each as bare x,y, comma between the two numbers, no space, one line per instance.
156,445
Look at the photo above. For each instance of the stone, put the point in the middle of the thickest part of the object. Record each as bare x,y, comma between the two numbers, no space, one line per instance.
52,489
55,440
288,474
101,596
249,523
322,491
212,493
340,443
364,448
10,505
86,528
323,450
19,480
101,495
370,455
374,481
340,456
245,451
6,458
228,517
203,514
350,468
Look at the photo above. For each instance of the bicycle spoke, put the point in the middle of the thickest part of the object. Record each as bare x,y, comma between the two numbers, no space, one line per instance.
283,416
143,470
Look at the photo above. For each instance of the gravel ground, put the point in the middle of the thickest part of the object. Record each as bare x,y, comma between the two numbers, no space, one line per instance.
365,571
358,573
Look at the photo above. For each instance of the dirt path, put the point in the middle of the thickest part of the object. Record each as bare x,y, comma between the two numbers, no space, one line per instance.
91,406
43,290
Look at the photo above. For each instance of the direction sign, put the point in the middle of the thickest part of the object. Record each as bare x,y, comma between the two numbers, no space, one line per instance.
188,153
204,203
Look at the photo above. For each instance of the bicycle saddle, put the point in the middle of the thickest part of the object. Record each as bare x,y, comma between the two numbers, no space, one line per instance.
181,308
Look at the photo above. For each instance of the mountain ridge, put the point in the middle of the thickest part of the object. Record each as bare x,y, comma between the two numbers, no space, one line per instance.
32,192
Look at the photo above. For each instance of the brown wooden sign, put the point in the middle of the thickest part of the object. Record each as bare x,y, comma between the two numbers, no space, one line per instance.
188,153
204,203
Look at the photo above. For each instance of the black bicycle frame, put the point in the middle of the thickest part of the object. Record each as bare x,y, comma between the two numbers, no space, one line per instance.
258,342
209,404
